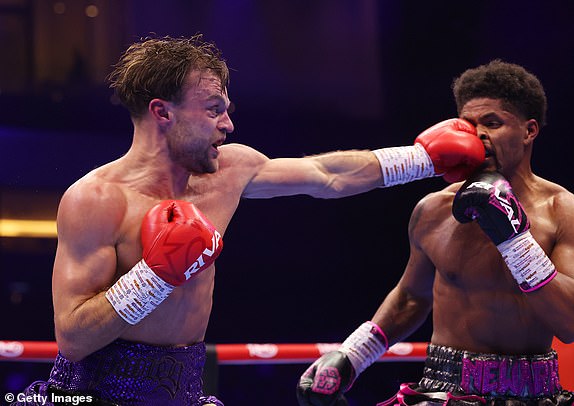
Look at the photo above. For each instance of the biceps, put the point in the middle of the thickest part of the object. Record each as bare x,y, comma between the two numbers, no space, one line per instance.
78,278
563,259
419,275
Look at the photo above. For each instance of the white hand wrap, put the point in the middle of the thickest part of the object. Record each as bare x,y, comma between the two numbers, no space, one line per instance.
137,293
404,164
365,346
527,261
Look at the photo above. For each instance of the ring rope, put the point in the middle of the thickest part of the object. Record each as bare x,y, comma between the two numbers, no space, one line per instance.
227,354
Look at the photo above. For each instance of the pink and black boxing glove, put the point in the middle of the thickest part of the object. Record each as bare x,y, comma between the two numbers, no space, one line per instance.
328,378
487,197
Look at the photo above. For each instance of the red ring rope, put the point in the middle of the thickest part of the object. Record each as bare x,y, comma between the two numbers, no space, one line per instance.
227,354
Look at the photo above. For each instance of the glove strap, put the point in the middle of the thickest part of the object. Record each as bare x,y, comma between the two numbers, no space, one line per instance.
365,346
137,293
404,164
527,261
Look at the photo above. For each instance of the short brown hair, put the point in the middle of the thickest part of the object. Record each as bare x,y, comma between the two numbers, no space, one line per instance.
157,68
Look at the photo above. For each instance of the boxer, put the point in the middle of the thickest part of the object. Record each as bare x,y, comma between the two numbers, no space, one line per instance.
492,258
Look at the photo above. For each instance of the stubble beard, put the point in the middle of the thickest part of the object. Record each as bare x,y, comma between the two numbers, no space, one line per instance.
195,161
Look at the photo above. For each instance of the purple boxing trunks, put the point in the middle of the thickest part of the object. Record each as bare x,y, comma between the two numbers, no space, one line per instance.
461,378
126,373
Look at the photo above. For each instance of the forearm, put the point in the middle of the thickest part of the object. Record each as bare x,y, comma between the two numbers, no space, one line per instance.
346,173
88,327
353,172
401,314
553,306
329,377
450,148
550,294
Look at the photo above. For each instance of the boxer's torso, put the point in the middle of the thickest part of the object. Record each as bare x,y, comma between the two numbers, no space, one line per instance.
477,304
183,317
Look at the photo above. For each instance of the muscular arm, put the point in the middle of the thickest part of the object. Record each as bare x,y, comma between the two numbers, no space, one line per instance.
330,175
408,305
553,303
402,311
450,148
84,267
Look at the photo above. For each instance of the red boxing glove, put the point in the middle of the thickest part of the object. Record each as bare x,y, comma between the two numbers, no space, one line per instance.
454,148
178,241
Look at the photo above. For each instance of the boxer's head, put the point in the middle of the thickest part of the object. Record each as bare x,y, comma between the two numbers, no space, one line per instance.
159,68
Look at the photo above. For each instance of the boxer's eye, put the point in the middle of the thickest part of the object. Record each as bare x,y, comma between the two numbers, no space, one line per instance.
494,124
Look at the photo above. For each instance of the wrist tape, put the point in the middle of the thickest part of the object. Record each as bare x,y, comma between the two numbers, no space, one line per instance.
137,293
527,261
365,346
404,164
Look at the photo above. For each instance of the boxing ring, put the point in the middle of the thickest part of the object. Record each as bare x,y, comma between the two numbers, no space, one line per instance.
253,354
226,354
275,366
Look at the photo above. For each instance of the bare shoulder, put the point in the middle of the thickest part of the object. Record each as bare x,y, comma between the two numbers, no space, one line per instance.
238,155
563,199
92,203
437,200
432,209
560,198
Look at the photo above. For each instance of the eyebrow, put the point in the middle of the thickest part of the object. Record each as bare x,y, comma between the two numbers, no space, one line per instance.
486,116
220,98
489,115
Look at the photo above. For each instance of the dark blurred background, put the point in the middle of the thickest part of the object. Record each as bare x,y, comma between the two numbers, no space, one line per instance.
307,77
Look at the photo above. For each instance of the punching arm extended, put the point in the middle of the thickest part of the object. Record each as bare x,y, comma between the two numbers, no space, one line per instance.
450,148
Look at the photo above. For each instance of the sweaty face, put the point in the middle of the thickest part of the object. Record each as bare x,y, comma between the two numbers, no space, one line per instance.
503,133
201,123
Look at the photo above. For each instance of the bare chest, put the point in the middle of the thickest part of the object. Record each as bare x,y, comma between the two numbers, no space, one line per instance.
217,200
465,257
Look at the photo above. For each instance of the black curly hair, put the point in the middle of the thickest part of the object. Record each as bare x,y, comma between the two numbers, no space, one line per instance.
519,90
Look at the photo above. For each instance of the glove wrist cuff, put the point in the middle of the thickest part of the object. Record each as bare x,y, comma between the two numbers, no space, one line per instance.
527,261
365,346
137,293
404,164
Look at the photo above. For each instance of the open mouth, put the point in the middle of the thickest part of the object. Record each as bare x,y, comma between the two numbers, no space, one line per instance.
215,146
218,143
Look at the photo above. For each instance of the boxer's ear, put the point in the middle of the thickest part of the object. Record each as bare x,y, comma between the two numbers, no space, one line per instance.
160,110
532,130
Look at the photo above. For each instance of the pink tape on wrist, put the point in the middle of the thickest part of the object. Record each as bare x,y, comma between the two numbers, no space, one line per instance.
378,332
544,282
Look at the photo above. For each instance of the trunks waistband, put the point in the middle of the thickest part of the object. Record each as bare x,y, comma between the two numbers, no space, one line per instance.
529,376
128,372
